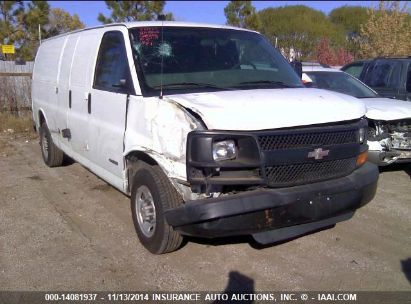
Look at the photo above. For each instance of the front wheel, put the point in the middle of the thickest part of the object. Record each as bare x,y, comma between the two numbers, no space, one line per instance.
151,195
52,155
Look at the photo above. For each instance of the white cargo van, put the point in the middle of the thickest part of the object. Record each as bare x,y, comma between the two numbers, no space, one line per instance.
207,128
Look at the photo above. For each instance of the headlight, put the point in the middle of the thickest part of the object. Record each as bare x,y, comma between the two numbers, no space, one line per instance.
224,150
361,135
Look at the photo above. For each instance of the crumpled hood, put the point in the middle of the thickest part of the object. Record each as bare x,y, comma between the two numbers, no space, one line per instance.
270,108
387,109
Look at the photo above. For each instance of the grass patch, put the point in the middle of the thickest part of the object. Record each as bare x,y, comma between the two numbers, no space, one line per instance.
14,127
12,124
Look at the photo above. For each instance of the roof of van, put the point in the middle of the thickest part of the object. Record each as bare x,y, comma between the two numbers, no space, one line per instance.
182,24
157,23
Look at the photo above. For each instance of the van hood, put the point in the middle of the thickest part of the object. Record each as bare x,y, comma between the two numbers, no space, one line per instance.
261,109
387,109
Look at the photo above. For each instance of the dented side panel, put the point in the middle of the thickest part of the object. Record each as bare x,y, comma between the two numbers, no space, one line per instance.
159,127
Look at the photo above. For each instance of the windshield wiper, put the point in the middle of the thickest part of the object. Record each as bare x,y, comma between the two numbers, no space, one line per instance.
190,84
277,83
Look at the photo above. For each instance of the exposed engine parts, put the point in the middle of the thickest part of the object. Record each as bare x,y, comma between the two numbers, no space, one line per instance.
391,137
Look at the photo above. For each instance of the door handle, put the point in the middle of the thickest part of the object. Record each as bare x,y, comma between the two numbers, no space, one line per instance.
69,99
89,103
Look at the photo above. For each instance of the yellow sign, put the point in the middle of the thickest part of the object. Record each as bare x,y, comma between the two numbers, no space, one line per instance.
7,49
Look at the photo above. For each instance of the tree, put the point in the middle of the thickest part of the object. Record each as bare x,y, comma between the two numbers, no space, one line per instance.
387,31
20,22
299,28
126,11
34,16
9,11
325,54
61,22
332,56
242,14
349,18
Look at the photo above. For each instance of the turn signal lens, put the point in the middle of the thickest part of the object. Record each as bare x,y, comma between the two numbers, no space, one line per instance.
362,158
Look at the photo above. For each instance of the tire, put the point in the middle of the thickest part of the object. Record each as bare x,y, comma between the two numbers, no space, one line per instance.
152,194
52,155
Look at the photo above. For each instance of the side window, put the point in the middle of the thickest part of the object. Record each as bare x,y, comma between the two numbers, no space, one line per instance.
383,74
112,70
355,69
409,79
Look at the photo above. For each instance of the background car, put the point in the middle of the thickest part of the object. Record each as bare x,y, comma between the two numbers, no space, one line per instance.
390,77
389,134
355,68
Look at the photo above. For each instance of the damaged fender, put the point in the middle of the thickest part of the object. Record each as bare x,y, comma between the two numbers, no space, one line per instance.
159,128
389,141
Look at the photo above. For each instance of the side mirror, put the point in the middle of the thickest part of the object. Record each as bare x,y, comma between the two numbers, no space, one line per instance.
298,67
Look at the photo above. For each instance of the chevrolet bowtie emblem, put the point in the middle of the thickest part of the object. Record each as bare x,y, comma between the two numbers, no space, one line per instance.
318,153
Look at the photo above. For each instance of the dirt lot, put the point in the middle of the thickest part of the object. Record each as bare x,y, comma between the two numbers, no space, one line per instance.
65,229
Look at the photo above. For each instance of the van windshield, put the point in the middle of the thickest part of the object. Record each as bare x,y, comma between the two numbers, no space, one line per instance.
200,59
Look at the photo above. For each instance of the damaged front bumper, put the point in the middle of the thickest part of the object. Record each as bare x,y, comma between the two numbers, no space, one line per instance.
384,158
272,215
389,142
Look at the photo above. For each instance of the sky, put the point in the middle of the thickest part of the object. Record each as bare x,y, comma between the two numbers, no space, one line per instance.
194,11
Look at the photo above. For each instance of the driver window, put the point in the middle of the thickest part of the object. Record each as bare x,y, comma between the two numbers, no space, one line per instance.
112,70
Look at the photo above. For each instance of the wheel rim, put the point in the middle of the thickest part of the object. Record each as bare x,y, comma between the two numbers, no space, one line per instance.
145,211
44,144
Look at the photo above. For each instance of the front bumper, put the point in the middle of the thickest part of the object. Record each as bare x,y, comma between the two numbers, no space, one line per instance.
384,158
276,214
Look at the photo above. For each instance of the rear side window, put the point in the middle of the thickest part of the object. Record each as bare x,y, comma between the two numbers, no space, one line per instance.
112,70
355,69
384,74
409,79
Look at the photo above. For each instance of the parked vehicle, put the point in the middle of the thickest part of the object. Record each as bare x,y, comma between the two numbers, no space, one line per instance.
355,68
207,128
389,132
390,77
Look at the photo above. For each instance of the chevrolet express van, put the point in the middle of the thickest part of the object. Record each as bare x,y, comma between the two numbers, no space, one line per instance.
207,128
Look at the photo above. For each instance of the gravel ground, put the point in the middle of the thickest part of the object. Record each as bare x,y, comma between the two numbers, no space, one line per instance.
66,229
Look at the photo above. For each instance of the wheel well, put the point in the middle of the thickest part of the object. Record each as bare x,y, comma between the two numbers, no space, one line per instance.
41,118
131,160
140,155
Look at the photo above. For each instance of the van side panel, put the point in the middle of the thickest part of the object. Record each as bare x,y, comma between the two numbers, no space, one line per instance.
63,107
44,86
80,85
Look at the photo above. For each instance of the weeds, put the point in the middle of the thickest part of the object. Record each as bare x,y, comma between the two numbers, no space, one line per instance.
13,127
16,124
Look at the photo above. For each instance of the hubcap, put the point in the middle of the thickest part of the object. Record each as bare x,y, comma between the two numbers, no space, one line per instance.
146,211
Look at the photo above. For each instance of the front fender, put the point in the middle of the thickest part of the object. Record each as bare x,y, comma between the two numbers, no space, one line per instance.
159,127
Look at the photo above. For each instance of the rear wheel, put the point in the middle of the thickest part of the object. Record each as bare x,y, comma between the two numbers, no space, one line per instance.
52,155
151,195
